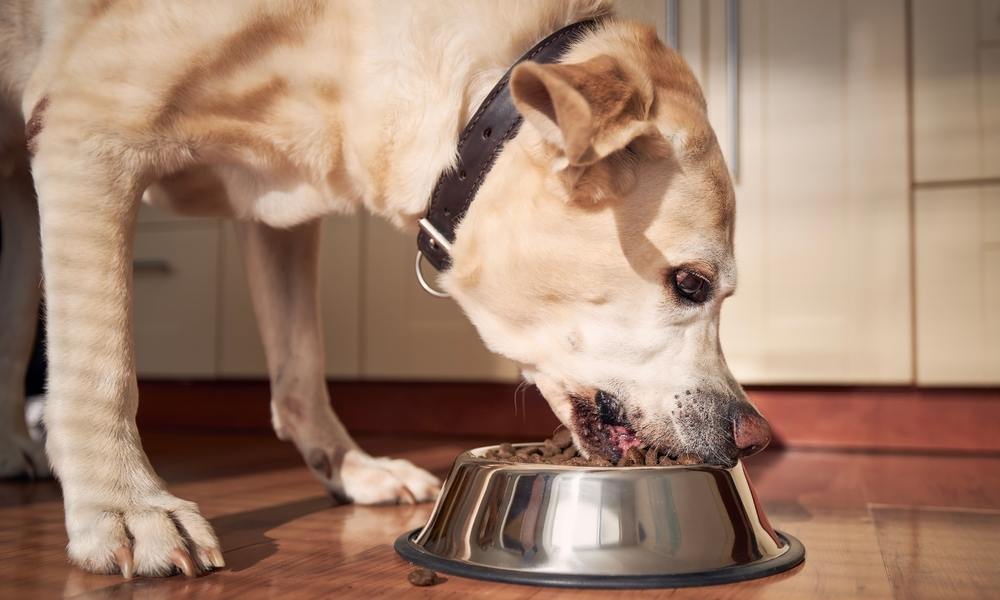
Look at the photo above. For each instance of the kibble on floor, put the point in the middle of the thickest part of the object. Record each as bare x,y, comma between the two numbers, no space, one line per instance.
423,577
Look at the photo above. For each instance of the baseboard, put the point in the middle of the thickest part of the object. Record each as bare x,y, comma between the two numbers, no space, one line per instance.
459,409
877,418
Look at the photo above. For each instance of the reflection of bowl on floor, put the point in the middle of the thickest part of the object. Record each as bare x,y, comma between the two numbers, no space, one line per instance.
598,526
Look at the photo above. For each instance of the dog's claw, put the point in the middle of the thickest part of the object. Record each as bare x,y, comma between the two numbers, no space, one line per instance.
182,560
126,564
212,558
217,560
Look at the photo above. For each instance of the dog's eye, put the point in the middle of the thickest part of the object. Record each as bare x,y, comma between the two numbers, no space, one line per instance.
691,285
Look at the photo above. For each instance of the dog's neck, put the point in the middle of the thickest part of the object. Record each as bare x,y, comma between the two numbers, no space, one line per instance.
452,65
495,122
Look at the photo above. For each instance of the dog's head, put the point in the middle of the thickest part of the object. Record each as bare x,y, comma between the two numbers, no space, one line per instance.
600,249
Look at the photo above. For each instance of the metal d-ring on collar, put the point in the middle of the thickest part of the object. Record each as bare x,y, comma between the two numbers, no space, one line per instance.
423,282
495,121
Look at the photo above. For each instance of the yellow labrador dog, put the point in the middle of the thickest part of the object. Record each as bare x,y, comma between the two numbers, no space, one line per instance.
597,252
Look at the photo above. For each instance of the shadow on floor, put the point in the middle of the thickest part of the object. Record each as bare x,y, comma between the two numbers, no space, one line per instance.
244,534
21,492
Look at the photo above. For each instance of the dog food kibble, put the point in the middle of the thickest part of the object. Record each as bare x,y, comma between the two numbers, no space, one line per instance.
549,449
689,458
631,458
562,438
559,450
423,577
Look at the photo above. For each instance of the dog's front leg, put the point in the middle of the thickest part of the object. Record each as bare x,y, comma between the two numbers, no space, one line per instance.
119,516
282,267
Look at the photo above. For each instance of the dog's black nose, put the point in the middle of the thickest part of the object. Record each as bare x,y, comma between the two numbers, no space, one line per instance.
610,409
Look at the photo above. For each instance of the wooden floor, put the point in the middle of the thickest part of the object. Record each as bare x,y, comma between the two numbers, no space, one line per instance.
874,526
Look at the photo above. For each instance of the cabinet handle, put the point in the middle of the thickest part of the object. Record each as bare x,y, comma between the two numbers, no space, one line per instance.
152,266
673,35
733,83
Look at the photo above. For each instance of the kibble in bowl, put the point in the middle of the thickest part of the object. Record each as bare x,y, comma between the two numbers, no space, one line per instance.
559,450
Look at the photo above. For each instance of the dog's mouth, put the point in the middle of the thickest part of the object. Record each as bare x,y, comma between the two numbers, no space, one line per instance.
622,437
602,426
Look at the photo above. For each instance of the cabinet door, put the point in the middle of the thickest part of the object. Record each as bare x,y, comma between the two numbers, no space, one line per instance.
958,286
956,89
175,285
409,334
822,239
241,352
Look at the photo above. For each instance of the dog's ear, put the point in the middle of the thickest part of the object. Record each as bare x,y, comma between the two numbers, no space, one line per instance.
587,110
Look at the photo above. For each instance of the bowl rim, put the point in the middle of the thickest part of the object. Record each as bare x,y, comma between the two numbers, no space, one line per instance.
794,555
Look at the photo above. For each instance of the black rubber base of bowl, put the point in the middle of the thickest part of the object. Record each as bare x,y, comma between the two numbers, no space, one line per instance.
415,554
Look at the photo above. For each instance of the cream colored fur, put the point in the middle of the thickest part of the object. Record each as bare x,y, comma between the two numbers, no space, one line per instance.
277,112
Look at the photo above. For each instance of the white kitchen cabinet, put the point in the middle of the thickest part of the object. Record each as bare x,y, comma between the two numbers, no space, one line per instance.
176,283
956,90
958,285
241,353
193,311
822,238
409,334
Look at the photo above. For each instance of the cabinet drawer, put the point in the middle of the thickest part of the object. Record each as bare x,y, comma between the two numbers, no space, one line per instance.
958,286
176,287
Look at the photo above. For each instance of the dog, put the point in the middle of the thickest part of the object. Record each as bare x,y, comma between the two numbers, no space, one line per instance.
596,254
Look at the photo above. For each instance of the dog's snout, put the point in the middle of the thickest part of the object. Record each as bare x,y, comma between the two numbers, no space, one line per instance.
751,432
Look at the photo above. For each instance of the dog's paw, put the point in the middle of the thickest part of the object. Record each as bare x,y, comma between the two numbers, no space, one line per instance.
22,458
368,480
155,536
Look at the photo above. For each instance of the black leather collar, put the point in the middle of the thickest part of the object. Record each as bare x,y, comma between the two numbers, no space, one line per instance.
495,122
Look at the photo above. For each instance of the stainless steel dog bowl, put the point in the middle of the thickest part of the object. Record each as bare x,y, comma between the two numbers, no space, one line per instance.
598,526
